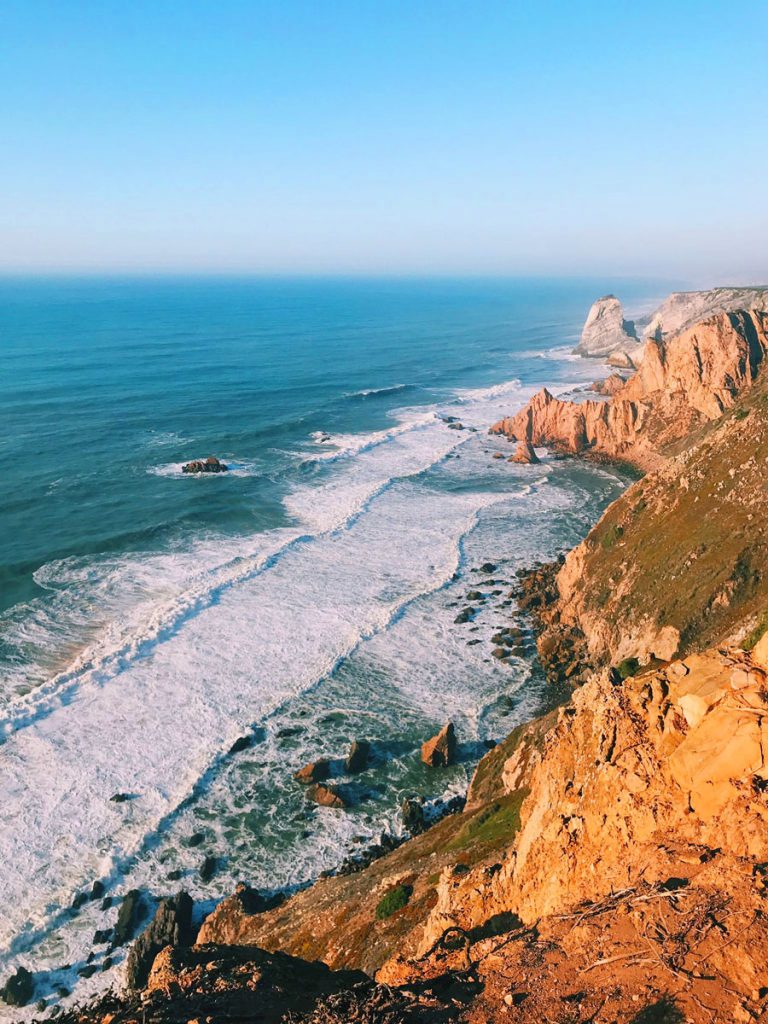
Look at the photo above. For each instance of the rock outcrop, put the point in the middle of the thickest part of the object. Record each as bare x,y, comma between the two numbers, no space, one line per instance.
209,465
692,379
606,330
440,751
524,454
681,310
171,926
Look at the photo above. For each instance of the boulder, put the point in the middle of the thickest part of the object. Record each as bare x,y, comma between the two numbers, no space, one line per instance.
440,751
209,465
327,796
171,926
524,454
19,988
357,759
315,771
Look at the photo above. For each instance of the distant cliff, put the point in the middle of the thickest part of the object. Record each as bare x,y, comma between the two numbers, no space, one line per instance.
681,384
608,335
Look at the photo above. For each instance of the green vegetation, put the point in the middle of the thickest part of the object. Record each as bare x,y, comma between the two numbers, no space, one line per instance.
757,633
612,534
392,901
494,826
741,414
628,668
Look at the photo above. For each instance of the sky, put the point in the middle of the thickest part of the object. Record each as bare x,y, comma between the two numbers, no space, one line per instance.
385,137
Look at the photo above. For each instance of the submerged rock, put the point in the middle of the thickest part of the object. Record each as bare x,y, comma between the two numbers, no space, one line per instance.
440,751
127,917
209,465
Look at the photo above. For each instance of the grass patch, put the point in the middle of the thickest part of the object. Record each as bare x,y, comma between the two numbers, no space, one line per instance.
494,826
392,901
757,633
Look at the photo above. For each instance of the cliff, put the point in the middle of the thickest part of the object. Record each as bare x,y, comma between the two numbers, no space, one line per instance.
690,380
608,335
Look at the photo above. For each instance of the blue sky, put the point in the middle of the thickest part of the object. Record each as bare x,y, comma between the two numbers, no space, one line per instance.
427,136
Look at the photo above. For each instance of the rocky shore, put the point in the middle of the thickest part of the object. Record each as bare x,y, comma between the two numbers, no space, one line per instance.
609,863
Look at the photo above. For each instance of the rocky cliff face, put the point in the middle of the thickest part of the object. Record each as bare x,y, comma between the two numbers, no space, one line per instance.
681,310
690,380
606,330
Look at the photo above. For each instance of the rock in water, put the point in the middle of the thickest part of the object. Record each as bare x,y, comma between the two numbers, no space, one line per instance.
209,465
127,918
19,988
357,759
525,454
327,796
440,751
171,926
606,330
412,811
315,771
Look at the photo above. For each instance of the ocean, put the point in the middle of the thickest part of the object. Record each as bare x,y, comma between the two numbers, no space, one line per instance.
307,598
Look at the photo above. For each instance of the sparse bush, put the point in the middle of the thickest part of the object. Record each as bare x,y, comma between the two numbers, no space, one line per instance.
628,668
741,414
392,901
611,536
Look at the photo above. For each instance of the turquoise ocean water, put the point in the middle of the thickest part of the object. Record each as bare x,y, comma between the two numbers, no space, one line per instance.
149,619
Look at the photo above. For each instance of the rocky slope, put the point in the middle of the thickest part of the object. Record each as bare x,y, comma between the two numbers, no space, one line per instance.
680,385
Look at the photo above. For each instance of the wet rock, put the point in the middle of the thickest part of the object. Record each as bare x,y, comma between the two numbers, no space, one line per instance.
465,615
119,798
487,567
499,652
525,454
254,902
327,796
209,465
175,875
412,811
106,963
315,771
171,926
455,426
498,455
241,744
127,917
102,936
196,839
79,900
475,595
88,971
284,733
97,890
440,751
471,643
357,759
19,988
208,868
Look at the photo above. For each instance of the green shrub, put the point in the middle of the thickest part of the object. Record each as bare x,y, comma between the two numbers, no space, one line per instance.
757,633
611,535
394,900
628,668
741,414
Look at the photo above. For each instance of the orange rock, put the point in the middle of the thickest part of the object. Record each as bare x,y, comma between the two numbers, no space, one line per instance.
315,771
440,751
326,796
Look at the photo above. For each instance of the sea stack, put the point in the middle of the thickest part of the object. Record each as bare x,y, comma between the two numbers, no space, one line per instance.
209,465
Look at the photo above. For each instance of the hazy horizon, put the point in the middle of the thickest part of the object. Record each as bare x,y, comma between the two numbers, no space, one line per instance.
384,140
